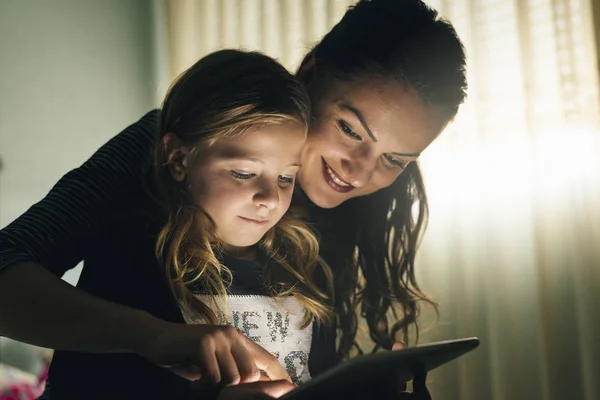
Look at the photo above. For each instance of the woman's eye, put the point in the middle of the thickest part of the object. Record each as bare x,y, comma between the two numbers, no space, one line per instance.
241,175
348,131
286,179
395,162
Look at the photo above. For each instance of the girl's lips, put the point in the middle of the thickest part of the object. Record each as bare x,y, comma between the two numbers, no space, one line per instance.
255,221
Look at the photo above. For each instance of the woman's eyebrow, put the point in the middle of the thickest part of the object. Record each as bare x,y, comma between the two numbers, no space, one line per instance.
360,116
347,107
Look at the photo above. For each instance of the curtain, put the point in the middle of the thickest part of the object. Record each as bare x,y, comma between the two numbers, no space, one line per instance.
283,29
512,250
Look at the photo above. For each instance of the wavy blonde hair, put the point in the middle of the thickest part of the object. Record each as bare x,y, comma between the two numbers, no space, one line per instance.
221,97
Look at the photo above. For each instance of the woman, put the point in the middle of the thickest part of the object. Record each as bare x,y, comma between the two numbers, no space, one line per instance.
383,84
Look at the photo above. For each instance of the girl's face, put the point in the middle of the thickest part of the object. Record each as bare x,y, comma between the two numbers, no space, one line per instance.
362,136
245,184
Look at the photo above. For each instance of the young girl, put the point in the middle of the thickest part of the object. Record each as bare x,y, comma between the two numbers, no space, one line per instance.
214,209
230,137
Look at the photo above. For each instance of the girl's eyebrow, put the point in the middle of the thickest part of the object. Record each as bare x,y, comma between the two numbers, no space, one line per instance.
229,157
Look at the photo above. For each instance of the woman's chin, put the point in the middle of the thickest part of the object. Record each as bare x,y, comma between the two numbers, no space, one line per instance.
323,199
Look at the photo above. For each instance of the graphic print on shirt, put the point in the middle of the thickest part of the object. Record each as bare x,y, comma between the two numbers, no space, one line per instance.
273,323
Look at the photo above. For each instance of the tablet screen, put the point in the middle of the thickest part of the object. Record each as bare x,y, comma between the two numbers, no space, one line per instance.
381,368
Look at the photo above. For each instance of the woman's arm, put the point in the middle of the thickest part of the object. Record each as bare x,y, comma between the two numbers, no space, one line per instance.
51,313
39,308
50,238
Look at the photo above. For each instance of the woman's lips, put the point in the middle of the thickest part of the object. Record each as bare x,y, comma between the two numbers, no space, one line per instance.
334,180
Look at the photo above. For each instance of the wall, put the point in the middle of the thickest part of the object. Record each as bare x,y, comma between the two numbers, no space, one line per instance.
73,73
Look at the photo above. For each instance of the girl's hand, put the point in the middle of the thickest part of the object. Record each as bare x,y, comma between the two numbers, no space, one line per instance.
257,390
208,354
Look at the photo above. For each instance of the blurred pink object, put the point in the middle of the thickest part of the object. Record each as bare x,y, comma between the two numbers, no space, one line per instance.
22,390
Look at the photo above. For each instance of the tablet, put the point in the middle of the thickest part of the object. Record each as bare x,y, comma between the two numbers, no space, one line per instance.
380,368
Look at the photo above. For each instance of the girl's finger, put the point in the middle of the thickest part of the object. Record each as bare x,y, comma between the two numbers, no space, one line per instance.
266,362
248,370
230,374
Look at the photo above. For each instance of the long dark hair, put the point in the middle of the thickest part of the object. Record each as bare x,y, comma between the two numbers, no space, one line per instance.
371,241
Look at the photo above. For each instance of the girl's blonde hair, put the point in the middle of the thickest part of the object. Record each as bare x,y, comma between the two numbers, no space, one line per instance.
221,97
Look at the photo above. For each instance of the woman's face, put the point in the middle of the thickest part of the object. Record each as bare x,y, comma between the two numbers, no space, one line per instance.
362,136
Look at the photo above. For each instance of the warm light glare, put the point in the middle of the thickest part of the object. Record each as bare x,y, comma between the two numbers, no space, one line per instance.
484,172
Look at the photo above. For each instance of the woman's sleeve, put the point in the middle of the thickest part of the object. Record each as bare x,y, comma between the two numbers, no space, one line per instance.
54,231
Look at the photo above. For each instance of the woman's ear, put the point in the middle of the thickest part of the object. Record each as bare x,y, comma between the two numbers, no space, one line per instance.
177,156
306,72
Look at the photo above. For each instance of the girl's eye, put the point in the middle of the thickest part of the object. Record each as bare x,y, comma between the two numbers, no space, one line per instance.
241,175
286,179
395,162
348,131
